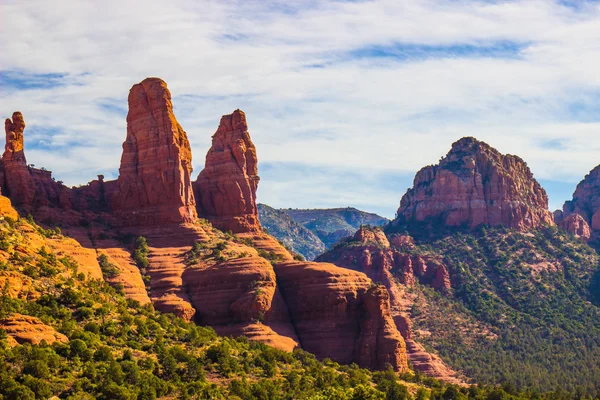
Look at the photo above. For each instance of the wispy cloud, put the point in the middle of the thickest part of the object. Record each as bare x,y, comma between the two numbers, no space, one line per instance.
346,100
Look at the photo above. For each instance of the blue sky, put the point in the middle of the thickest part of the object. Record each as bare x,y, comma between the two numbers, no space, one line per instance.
345,100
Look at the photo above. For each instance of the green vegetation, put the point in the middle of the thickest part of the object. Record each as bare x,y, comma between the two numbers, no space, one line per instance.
140,256
119,349
526,306
109,270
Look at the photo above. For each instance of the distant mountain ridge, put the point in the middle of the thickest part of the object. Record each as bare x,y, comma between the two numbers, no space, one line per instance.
310,232
333,224
293,234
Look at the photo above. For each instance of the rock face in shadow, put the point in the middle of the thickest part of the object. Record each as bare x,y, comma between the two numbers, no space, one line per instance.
371,252
226,187
585,203
154,184
476,185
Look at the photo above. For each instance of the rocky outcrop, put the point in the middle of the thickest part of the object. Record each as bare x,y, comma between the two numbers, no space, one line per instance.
336,309
389,260
30,189
575,224
235,294
370,251
475,185
226,188
27,329
586,201
245,284
154,184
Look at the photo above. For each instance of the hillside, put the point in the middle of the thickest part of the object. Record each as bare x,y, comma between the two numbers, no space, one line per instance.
292,234
480,274
521,309
65,332
333,224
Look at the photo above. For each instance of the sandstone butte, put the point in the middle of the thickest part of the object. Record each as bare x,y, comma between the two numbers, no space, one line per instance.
331,311
581,215
475,185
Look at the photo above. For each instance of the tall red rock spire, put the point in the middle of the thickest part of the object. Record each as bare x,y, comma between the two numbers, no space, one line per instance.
154,184
17,181
13,150
226,188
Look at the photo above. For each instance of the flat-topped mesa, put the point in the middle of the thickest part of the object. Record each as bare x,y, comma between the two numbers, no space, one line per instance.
226,188
154,184
476,185
585,202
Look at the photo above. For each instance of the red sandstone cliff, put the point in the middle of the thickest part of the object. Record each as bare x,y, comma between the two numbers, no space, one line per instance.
226,188
390,261
340,314
154,185
474,185
254,287
584,208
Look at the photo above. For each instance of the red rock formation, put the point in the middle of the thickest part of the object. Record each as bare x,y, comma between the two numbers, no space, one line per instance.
385,260
333,312
379,342
586,200
369,251
154,184
27,329
335,309
576,225
234,294
30,189
474,185
226,188
17,182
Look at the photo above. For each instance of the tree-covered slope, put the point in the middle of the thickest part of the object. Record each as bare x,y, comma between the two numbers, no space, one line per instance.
80,338
523,310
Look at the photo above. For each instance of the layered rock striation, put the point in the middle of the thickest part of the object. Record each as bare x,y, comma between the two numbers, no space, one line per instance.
226,188
476,185
383,260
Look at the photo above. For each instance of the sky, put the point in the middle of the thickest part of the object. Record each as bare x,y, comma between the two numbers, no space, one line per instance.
345,100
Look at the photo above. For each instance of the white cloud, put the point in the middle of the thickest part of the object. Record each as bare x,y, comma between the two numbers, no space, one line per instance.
309,98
